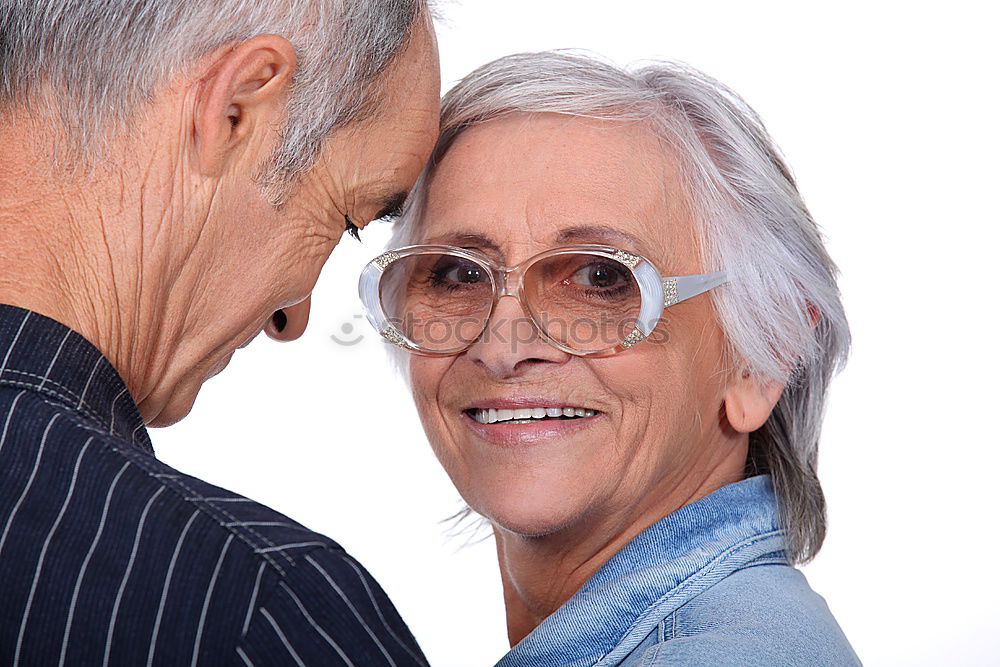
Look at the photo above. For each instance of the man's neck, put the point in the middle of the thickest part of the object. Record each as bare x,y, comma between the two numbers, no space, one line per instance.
66,251
71,282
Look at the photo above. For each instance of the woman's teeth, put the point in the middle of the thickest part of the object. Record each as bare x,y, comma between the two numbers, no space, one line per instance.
526,415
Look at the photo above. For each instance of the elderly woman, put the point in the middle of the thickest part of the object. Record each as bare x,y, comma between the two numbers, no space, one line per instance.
623,325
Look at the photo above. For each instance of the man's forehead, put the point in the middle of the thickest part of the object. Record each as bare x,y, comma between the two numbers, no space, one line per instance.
412,83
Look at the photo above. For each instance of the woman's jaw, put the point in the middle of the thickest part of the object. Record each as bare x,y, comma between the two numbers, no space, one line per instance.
650,430
526,474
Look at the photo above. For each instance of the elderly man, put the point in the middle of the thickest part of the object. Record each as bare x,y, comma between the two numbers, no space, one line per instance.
173,177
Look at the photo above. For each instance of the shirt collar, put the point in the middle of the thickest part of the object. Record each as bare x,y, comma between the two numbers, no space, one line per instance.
41,355
658,571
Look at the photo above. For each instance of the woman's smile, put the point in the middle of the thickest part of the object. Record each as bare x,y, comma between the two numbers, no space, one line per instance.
518,422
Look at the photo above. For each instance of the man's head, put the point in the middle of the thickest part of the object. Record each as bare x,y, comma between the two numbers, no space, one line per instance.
224,147
89,65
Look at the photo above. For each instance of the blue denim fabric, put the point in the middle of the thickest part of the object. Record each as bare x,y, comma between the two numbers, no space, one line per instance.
708,585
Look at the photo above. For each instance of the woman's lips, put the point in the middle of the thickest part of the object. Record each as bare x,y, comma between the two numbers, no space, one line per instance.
529,432
493,415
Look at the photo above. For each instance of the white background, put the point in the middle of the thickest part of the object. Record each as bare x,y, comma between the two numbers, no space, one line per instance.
887,114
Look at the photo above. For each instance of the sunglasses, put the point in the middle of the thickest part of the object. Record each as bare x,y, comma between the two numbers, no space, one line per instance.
583,299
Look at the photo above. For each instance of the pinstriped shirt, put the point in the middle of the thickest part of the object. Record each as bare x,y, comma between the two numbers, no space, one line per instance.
110,557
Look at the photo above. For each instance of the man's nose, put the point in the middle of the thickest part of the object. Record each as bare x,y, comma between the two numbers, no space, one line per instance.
289,323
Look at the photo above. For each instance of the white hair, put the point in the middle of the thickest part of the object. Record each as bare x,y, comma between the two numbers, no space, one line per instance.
100,59
781,310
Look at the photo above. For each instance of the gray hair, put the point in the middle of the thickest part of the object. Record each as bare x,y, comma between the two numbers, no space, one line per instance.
781,310
100,59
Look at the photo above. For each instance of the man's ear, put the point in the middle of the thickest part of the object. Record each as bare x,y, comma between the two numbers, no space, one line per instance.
749,403
241,98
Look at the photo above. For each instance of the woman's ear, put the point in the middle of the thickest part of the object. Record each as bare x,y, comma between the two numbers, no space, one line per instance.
749,402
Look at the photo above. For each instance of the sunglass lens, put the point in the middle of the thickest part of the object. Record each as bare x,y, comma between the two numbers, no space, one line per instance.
585,302
439,301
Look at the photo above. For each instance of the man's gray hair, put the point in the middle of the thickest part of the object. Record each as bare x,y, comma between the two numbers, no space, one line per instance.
100,59
781,310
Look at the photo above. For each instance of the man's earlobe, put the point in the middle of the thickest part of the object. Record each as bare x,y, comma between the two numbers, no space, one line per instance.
241,99
748,402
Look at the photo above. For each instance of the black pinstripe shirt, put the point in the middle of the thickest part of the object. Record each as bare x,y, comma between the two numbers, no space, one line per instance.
109,557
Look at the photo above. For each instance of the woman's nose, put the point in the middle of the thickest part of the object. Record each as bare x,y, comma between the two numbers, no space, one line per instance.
511,343
289,323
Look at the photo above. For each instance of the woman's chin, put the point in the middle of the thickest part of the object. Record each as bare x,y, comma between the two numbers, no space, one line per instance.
542,527
528,515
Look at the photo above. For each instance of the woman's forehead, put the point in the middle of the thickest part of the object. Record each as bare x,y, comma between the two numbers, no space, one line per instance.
544,180
497,245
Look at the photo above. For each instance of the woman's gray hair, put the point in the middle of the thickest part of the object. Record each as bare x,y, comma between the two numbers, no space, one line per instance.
100,59
781,310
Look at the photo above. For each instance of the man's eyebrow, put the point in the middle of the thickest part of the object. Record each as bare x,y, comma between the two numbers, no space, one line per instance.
392,205
584,233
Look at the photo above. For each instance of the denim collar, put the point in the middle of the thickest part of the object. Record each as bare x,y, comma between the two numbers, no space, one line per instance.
41,355
662,568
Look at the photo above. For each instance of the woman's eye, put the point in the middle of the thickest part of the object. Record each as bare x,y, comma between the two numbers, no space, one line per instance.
461,272
598,275
466,274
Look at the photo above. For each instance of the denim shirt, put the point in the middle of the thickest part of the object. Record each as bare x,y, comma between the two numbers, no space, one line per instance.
708,585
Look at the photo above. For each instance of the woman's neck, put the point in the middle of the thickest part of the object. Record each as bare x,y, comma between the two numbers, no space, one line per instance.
540,574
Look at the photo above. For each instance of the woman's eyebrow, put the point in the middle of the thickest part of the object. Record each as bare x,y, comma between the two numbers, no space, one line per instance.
582,233
465,240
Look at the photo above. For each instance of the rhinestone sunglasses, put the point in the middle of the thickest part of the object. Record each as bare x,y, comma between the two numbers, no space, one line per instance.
583,299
